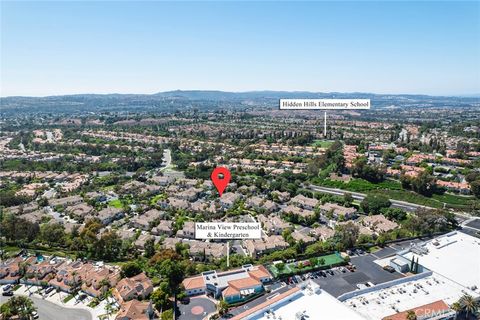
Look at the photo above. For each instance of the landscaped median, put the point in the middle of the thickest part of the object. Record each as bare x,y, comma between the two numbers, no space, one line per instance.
280,269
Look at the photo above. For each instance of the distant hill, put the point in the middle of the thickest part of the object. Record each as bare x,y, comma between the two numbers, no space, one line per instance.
205,99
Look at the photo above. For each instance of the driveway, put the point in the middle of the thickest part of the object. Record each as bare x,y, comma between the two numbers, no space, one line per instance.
196,309
50,311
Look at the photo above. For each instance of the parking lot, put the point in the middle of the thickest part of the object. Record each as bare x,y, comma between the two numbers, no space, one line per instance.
196,308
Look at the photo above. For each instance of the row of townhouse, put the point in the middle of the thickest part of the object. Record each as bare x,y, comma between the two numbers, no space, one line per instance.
93,279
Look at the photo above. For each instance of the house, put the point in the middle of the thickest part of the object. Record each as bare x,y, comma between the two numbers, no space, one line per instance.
142,239
238,290
258,203
191,194
188,230
139,286
174,203
299,212
227,200
110,214
164,227
273,224
323,233
281,196
10,270
194,285
338,212
135,310
258,247
304,202
67,201
145,220
378,223
79,211
300,236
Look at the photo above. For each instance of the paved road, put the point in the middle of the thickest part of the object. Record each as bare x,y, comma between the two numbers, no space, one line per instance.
50,311
395,203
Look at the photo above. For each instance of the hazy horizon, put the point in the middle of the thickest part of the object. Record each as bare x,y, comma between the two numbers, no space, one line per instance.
473,95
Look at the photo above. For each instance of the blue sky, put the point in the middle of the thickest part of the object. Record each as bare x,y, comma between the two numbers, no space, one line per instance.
50,48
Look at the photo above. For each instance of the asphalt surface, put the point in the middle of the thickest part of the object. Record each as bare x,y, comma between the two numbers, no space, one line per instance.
50,311
187,311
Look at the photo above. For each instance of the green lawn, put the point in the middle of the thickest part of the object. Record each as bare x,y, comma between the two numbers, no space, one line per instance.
155,199
116,203
322,143
68,298
297,267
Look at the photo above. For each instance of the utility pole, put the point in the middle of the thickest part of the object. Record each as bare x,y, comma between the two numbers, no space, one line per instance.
325,125
228,254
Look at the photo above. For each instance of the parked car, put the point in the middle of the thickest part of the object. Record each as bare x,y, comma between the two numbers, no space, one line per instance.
389,269
7,287
330,272
35,315
8,293
49,289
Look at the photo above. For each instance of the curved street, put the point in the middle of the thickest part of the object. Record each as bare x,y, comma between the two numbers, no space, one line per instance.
50,311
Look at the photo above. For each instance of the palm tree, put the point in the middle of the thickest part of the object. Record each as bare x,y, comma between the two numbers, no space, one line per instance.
17,306
411,315
457,308
469,305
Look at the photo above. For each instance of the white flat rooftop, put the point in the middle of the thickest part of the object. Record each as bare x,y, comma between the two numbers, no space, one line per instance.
455,256
405,296
312,305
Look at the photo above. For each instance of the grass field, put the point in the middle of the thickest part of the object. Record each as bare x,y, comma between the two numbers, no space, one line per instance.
299,267
322,143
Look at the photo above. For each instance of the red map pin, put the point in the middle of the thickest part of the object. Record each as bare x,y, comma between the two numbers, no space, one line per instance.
220,177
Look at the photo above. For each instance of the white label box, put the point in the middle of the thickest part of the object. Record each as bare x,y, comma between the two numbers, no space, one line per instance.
325,104
228,230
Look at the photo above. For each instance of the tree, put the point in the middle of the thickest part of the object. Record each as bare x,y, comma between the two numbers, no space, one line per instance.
52,234
321,261
394,214
368,172
348,198
424,184
374,203
457,308
469,305
411,315
280,266
149,248
131,269
173,272
160,297
346,235
475,187
17,306
222,307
